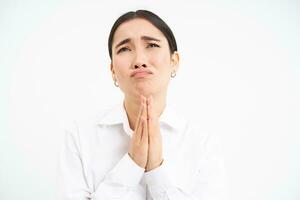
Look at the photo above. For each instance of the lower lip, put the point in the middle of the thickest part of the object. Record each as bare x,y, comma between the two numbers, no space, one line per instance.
141,74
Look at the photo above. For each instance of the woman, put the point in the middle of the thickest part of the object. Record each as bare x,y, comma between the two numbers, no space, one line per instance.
139,149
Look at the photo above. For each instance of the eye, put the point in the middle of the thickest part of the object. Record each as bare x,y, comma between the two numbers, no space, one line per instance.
123,49
153,45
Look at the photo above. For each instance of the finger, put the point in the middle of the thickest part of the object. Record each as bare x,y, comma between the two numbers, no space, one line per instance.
139,116
138,124
144,117
148,107
150,113
144,101
144,137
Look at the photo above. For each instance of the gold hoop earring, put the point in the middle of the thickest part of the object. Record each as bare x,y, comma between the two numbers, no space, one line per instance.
173,74
115,83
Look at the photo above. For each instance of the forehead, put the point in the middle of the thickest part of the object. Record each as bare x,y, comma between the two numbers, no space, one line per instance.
136,28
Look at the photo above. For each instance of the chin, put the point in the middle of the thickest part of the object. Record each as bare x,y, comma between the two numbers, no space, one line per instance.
145,91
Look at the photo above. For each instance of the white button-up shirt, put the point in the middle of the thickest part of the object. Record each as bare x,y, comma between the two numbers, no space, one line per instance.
94,162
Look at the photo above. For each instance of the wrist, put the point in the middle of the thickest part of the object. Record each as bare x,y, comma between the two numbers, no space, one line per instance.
153,166
139,163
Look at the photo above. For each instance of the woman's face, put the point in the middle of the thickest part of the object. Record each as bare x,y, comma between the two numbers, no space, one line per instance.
141,60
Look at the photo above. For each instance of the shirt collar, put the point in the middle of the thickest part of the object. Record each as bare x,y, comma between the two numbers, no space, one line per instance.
117,115
114,115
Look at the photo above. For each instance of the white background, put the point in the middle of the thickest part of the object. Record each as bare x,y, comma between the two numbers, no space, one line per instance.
239,77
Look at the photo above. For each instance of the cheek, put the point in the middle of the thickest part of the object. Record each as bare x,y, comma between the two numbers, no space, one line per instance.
161,61
120,66
119,62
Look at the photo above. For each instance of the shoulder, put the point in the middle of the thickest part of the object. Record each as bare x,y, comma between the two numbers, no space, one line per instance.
205,142
193,132
84,127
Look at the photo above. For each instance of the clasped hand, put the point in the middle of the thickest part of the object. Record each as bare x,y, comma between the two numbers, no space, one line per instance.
146,142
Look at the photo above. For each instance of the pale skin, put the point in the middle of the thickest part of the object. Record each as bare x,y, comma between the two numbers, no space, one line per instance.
145,96
146,144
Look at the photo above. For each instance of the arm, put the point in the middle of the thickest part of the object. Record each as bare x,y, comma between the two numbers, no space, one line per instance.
121,182
206,183
74,184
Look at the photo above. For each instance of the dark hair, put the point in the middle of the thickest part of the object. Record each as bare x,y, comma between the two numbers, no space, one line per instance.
152,18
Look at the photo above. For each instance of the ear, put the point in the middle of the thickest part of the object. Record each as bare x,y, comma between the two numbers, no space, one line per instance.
175,61
112,71
112,68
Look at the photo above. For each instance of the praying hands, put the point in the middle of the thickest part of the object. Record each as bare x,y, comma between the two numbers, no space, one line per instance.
146,143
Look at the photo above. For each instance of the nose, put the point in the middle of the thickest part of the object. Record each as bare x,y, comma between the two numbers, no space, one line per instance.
139,60
136,66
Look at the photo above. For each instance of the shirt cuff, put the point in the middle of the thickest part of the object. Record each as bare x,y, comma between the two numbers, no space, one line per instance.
158,181
127,172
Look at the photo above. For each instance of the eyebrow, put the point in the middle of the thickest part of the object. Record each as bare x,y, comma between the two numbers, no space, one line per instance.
146,38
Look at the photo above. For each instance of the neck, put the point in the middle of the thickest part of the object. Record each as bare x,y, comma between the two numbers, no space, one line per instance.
132,106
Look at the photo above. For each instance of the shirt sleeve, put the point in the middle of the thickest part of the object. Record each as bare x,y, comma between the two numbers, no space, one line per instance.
207,183
119,183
